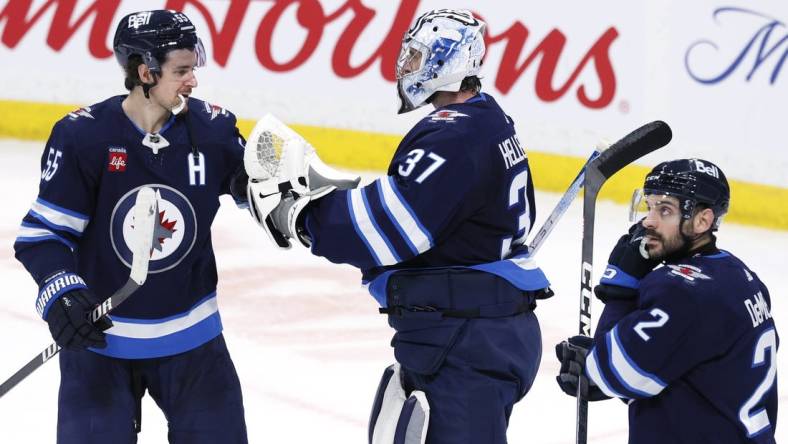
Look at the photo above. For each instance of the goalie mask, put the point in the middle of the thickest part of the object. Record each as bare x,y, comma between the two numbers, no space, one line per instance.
442,48
692,182
151,34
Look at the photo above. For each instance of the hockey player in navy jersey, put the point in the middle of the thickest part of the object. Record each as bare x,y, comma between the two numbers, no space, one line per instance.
691,346
166,337
440,242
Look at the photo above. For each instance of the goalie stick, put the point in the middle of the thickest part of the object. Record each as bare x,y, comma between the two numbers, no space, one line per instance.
633,146
145,213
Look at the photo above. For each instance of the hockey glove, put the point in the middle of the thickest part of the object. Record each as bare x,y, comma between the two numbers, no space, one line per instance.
286,217
628,264
572,355
65,303
238,183
278,160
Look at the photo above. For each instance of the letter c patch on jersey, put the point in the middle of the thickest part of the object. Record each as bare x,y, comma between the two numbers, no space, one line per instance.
174,234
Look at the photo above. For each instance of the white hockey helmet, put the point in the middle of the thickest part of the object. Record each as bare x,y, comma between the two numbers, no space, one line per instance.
442,48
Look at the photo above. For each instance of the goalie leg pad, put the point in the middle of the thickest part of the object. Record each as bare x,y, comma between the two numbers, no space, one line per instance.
397,418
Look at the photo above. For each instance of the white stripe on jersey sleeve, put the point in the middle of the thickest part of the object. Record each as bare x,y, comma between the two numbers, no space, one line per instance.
630,375
403,217
32,233
59,218
367,229
593,372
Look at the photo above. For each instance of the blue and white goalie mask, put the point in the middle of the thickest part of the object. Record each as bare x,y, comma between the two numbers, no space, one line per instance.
442,48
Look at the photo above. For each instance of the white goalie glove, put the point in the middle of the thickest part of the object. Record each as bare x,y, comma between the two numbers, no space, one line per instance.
285,174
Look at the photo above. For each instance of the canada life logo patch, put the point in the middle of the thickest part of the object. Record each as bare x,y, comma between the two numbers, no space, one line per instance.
116,162
174,234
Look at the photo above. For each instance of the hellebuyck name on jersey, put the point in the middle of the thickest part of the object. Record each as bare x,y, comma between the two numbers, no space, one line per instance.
94,163
458,193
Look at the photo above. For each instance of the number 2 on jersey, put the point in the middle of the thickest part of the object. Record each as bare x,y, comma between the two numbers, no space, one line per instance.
757,421
661,319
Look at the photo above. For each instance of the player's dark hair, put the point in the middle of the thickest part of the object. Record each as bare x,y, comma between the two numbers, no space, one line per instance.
132,71
700,206
471,84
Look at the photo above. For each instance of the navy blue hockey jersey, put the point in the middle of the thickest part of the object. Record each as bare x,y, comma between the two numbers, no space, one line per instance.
93,165
697,355
458,193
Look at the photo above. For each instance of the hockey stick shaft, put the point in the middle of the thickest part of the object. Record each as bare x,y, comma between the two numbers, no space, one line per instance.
145,214
560,207
54,349
633,146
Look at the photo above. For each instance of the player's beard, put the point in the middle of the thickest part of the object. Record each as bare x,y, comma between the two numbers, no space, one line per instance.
666,248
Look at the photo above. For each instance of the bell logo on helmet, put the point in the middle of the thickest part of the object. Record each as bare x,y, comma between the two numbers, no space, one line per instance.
711,170
140,19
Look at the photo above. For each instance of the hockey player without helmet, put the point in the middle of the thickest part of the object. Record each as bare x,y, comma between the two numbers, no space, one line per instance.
692,182
151,34
442,48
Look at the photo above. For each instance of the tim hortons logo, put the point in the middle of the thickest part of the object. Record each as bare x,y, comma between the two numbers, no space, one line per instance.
312,18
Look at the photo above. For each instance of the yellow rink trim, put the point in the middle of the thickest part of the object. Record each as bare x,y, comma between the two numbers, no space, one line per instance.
751,204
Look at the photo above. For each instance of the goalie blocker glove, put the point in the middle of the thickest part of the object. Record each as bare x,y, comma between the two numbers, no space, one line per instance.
65,302
629,262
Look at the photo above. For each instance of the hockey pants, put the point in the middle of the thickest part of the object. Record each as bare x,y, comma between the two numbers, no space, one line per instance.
198,391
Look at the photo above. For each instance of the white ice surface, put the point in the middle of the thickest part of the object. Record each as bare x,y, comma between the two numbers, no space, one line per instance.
306,339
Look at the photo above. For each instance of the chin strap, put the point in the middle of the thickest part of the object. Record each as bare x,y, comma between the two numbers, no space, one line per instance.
146,87
189,129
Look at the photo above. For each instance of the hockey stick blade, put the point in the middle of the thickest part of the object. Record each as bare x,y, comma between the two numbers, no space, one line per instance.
632,147
145,213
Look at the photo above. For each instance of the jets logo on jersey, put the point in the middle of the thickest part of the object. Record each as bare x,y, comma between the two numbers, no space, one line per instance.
116,163
446,116
215,110
174,234
81,112
688,272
